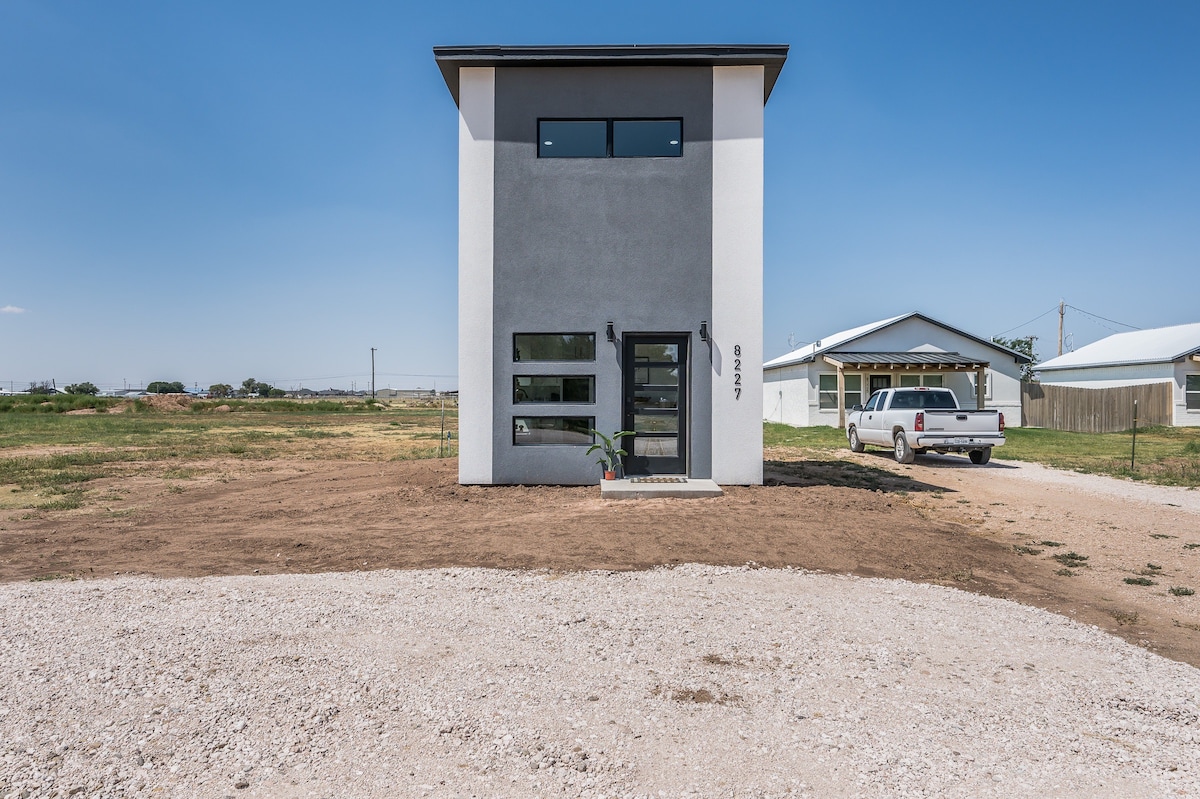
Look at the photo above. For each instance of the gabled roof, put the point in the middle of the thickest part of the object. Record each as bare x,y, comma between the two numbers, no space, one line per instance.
1157,345
768,56
809,352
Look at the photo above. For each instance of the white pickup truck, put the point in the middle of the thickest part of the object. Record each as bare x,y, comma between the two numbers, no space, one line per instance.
911,421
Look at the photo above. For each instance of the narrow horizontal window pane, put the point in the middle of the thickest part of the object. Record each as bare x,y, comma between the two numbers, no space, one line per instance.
851,382
655,423
654,447
554,347
569,430
933,381
656,353
554,388
575,138
910,381
640,138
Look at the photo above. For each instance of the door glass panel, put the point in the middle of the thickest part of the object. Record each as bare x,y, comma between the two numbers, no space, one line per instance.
647,397
656,447
657,353
656,423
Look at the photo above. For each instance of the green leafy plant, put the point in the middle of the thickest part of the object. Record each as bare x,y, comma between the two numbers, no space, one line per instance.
1139,581
608,445
1179,590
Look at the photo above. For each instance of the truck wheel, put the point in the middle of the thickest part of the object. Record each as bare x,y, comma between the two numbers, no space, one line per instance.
980,456
855,444
904,453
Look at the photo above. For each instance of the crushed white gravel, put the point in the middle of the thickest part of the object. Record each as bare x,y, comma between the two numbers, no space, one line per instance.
693,681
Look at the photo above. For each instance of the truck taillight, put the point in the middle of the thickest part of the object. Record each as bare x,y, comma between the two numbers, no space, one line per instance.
1001,423
919,424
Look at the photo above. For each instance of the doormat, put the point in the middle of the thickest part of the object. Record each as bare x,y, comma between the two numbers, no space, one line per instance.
658,479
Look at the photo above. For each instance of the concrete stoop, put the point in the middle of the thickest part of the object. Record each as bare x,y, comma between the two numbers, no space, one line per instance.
658,486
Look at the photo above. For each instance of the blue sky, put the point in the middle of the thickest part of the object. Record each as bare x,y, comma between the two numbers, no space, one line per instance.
212,191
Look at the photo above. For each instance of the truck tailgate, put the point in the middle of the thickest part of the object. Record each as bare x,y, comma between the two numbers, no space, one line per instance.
953,423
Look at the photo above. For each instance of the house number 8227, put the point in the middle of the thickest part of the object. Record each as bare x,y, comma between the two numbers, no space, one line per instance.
737,371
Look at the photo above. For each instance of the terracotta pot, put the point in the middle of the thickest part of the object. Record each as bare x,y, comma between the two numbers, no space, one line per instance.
610,475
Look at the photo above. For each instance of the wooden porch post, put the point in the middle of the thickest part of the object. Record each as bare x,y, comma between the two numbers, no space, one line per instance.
980,386
841,397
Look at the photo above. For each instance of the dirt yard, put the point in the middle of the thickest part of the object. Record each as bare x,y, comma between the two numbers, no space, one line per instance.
994,530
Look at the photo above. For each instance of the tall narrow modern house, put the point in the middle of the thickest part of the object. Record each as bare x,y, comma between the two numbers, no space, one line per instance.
610,258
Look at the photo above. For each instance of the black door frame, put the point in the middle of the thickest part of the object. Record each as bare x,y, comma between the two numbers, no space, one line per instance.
649,465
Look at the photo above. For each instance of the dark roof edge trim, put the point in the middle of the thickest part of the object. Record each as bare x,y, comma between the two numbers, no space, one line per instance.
769,56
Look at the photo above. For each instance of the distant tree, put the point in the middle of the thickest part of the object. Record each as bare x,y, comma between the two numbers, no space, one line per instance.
44,387
163,387
276,392
249,387
82,388
220,390
1023,345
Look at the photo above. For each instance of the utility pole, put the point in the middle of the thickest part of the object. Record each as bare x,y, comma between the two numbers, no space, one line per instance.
1061,306
372,373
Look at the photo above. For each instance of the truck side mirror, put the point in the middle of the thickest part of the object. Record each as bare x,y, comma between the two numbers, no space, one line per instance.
856,407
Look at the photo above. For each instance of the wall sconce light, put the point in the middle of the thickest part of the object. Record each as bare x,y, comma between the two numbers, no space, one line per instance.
609,333
704,330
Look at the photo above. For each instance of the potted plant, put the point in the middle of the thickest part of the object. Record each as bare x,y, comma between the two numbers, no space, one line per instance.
612,453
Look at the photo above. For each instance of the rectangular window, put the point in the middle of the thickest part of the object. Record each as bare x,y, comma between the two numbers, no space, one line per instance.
913,381
827,391
647,138
610,138
554,347
573,138
827,396
853,385
987,386
575,431
554,388
1192,392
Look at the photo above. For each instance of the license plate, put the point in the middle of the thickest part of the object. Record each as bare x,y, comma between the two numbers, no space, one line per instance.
959,440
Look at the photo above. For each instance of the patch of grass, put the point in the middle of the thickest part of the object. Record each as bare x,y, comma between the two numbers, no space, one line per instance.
1124,618
1139,581
55,403
1179,590
1165,455
1065,573
1162,535
1051,543
1191,546
1153,567
782,435
1072,560
41,578
1026,550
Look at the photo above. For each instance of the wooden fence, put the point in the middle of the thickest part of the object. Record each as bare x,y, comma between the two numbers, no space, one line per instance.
1095,410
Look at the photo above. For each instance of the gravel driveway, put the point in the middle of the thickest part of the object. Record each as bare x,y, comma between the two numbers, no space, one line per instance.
693,681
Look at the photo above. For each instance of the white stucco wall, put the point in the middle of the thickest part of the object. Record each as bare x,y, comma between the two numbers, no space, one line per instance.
1184,417
787,394
737,269
476,220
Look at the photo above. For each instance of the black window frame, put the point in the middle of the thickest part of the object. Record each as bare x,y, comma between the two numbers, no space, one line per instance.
516,357
591,390
609,136
1191,395
591,426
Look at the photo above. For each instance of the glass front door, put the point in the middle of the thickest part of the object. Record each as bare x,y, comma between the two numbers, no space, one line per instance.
656,404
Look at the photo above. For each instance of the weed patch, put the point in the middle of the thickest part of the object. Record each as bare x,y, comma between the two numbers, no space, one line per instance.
1072,560
1179,590
1139,581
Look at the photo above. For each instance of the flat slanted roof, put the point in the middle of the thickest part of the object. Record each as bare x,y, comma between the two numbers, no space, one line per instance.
768,56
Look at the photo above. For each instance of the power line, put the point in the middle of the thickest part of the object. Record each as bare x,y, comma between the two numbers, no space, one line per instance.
1097,316
1030,322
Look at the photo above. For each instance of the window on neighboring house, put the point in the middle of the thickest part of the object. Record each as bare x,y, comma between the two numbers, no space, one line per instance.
573,431
827,391
1192,392
610,138
987,387
554,388
554,347
913,381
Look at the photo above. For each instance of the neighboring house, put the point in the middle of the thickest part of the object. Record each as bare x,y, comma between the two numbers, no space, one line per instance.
816,384
1160,355
610,258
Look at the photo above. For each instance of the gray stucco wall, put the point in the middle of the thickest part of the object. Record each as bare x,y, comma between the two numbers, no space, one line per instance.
579,242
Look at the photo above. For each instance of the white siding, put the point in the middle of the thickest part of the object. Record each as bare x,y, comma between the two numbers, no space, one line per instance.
737,274
1184,417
